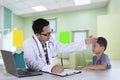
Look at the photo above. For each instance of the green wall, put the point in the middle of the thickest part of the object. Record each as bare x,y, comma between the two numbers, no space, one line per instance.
113,7
18,22
75,20
69,21
66,21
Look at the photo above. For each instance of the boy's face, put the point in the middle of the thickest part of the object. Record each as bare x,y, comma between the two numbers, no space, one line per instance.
97,49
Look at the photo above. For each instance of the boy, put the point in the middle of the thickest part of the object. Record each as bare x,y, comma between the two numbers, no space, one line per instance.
100,60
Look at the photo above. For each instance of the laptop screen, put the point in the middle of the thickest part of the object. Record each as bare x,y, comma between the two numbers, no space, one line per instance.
9,62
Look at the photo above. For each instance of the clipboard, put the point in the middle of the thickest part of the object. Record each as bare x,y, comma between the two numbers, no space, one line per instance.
66,72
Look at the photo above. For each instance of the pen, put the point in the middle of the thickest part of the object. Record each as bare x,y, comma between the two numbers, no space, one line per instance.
61,62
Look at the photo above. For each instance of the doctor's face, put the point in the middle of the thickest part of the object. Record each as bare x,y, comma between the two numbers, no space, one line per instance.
45,35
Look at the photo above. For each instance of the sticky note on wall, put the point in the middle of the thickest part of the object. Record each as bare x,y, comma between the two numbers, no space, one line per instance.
17,38
64,37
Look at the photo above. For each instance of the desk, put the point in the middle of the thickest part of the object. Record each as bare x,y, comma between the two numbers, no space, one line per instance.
113,74
85,75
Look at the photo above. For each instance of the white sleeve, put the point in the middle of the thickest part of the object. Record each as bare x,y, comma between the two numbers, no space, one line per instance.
75,46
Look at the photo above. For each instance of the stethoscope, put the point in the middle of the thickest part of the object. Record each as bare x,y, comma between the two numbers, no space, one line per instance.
50,43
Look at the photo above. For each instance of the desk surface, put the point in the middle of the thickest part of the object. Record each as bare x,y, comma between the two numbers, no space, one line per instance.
113,74
85,75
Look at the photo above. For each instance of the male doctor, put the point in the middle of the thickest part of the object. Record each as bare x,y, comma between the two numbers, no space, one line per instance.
40,48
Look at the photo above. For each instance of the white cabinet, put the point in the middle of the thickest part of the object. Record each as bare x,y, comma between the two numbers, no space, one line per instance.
1,27
108,26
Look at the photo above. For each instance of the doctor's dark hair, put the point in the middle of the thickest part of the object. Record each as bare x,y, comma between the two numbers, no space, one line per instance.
39,24
102,42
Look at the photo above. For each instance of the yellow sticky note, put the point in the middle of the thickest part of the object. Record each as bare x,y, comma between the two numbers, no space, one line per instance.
17,38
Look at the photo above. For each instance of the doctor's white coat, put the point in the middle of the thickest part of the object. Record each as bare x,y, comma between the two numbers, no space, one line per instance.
35,57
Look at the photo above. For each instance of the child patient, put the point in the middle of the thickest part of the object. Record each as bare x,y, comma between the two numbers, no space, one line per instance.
100,60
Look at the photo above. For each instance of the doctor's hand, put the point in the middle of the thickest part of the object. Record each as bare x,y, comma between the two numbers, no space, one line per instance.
57,69
90,40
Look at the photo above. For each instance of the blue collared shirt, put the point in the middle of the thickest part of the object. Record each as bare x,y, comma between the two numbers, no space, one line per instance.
103,58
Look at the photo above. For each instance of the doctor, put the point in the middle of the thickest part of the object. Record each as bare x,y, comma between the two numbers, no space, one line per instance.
41,47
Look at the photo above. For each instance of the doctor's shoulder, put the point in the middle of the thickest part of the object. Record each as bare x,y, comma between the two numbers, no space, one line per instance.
28,41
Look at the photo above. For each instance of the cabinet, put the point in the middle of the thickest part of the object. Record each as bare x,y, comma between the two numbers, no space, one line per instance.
5,28
1,27
108,26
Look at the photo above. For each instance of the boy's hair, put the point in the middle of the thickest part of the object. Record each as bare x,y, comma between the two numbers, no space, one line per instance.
102,42
39,24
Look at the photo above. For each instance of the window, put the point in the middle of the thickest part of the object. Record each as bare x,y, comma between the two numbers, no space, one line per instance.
53,24
79,35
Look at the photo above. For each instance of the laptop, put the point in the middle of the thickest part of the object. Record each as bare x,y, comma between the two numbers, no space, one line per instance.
10,66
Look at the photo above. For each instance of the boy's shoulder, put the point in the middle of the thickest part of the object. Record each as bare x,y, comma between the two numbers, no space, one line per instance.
104,54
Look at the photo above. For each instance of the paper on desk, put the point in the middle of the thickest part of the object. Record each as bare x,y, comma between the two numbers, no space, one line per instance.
68,72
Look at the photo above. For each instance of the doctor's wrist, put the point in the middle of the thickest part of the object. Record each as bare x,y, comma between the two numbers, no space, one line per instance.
57,69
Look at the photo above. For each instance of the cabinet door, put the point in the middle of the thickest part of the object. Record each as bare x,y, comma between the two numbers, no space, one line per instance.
108,26
1,40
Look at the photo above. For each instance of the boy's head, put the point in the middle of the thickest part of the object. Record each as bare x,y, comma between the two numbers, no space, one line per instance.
100,45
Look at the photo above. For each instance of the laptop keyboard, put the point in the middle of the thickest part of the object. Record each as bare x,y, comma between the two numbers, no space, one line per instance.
26,72
23,72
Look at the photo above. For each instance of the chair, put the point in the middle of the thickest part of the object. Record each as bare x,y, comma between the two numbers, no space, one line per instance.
69,60
84,58
19,60
80,59
88,57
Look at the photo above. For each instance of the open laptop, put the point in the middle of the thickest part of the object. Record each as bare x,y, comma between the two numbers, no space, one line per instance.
11,67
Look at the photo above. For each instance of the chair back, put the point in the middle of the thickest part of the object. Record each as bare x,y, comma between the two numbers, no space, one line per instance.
19,60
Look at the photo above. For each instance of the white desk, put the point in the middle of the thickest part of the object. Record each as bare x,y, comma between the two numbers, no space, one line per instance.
85,75
113,74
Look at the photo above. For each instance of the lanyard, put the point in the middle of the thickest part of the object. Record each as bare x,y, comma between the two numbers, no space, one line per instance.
40,55
37,47
49,43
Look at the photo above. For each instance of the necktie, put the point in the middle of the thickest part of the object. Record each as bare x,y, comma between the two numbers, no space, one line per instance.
46,52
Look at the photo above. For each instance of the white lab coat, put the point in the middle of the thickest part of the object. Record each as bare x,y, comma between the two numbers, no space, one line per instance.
32,56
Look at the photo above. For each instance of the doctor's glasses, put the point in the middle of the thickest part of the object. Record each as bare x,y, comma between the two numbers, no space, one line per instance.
47,34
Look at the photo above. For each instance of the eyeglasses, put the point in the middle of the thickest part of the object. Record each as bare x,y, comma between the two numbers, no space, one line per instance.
47,34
